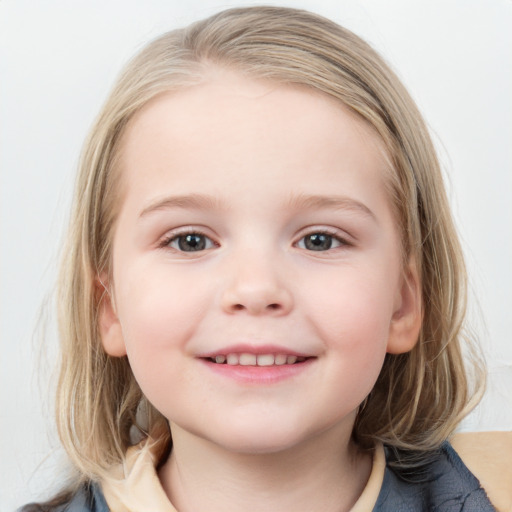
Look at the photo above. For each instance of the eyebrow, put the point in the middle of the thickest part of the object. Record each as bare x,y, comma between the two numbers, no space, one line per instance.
188,201
298,202
303,201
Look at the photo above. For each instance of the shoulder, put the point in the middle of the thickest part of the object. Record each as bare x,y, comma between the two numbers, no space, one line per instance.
441,482
488,455
88,498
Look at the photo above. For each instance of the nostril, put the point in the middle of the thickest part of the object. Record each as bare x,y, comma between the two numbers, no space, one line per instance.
270,307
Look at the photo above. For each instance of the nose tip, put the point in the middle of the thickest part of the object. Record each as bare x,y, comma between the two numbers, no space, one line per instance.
257,299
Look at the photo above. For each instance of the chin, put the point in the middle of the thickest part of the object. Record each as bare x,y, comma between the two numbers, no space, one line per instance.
268,432
260,439
257,446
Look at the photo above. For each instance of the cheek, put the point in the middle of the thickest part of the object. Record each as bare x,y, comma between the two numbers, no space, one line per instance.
159,314
353,310
352,315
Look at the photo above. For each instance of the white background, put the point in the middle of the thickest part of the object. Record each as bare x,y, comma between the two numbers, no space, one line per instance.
59,58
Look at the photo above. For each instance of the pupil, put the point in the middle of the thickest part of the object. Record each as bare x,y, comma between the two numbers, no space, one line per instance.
192,243
318,242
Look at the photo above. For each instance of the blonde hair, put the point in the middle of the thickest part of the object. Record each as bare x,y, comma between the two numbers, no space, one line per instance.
420,396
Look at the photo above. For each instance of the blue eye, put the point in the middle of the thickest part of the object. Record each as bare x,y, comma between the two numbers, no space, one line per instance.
190,242
319,242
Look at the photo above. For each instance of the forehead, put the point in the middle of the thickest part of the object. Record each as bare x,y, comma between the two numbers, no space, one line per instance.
227,99
231,125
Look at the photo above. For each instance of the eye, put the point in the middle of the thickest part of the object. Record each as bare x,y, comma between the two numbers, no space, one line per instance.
190,242
320,242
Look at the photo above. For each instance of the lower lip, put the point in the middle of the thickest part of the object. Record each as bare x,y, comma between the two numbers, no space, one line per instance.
259,374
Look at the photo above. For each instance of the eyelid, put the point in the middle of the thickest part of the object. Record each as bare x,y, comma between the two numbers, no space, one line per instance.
170,235
342,236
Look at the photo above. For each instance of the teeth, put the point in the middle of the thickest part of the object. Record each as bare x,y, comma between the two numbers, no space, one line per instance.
233,359
280,359
246,359
265,360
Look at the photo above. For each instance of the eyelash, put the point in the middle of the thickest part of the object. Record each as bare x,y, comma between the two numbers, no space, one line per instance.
332,234
333,237
167,240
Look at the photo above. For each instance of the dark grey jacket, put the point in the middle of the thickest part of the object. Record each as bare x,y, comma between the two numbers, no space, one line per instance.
442,484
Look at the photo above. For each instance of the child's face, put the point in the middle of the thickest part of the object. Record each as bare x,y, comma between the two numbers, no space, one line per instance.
255,221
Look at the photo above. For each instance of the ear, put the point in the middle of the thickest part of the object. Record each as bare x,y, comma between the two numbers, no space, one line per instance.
408,312
108,323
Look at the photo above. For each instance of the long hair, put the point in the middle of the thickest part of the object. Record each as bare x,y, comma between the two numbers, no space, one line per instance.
420,396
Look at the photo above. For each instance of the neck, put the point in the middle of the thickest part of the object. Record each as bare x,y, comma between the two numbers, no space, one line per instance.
326,473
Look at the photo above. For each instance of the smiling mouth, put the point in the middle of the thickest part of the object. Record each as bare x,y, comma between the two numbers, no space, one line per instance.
256,359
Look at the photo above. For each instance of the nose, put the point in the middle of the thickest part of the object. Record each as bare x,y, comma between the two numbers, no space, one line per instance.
256,287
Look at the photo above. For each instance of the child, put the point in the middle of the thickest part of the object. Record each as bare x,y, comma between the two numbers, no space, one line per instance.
262,266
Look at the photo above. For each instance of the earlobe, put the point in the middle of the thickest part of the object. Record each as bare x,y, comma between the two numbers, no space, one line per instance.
108,322
408,313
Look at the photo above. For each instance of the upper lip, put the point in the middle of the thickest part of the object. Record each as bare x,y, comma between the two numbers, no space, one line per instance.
244,348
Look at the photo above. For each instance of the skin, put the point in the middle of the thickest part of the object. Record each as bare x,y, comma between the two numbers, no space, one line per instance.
258,170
